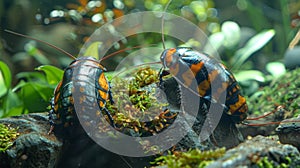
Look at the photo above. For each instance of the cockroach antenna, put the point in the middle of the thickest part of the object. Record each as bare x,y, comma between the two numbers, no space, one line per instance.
41,41
162,24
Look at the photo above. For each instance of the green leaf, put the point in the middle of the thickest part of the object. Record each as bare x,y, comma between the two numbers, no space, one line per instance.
53,74
253,45
31,49
15,111
19,85
110,75
216,40
232,33
250,75
5,78
32,76
36,96
93,50
10,102
3,87
276,68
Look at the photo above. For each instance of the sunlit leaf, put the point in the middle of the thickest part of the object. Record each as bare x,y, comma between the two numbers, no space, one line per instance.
232,33
53,74
6,75
250,75
110,75
19,85
216,40
3,87
276,68
253,45
93,50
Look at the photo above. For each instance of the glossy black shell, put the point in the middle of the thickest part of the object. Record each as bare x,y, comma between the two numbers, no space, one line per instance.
85,86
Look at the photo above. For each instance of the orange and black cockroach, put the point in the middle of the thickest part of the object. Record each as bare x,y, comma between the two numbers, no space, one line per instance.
205,70
91,87
95,86
85,75
89,80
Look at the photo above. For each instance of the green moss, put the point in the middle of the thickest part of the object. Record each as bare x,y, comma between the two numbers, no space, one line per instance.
7,136
284,91
191,158
135,101
140,98
145,76
265,162
288,159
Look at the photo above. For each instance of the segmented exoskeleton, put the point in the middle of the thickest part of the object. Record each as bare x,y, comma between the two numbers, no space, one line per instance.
205,70
85,75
